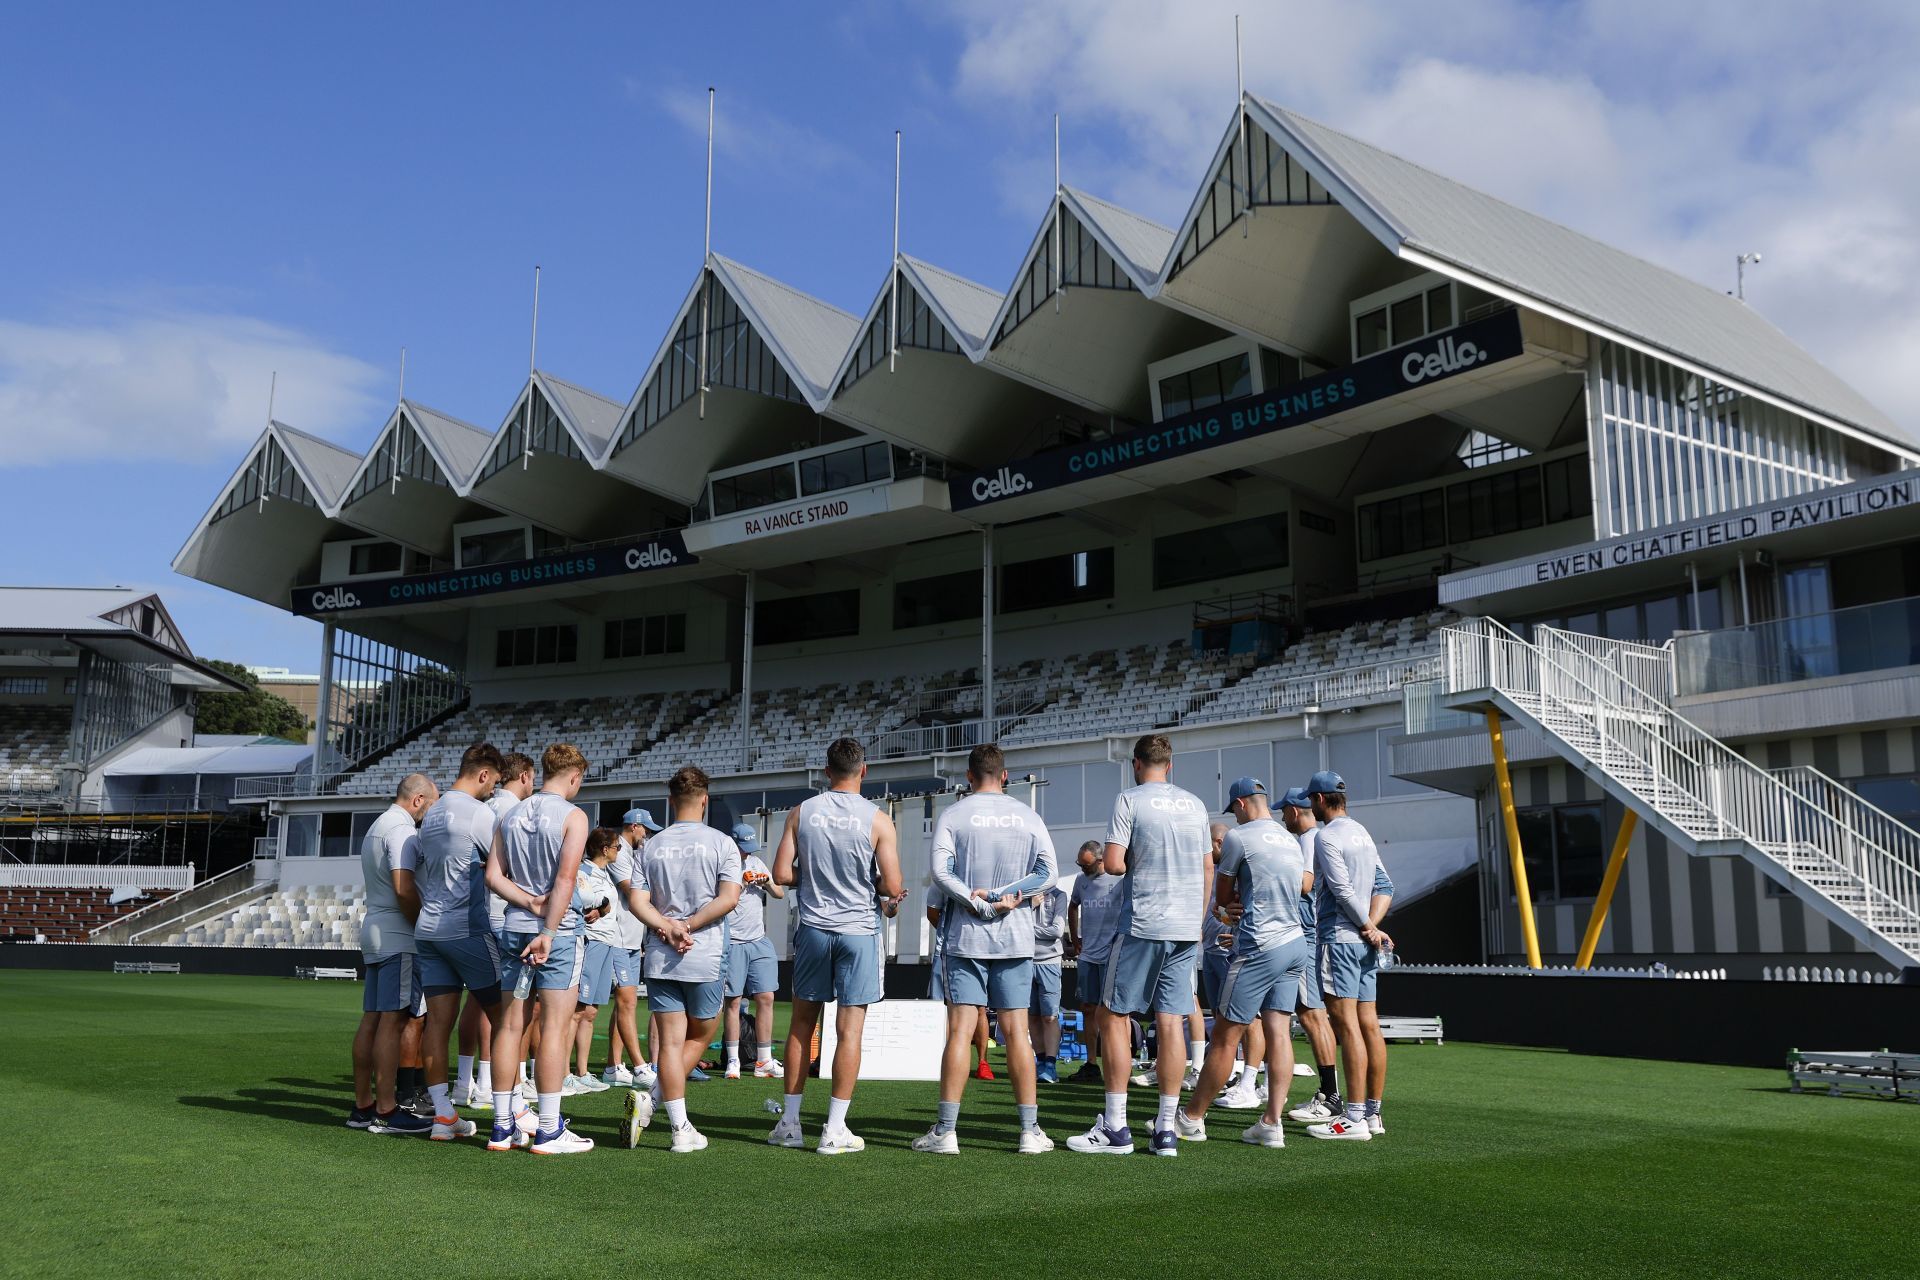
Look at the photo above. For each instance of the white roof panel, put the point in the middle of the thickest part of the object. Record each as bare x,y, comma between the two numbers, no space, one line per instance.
461,444
326,465
64,608
813,335
596,419
968,307
1141,242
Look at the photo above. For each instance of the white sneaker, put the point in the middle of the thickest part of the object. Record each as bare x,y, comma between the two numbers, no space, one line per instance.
767,1069
1374,1126
564,1143
1316,1110
786,1134
733,1071
618,1076
1102,1141
527,1121
1188,1130
1242,1097
529,1094
1034,1143
1302,1069
1190,1081
687,1138
1341,1130
644,1076
448,1128
476,1099
636,1116
592,1084
1143,1079
936,1143
839,1142
1262,1134
570,1086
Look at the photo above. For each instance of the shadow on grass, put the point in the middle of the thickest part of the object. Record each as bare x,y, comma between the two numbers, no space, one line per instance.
341,1085
276,1104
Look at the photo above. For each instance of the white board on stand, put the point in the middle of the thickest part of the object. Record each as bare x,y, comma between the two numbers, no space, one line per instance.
903,1040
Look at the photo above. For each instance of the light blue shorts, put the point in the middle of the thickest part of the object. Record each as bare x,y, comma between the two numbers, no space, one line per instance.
695,999
393,985
1090,986
752,967
1150,975
596,971
1046,989
1310,979
560,972
1257,981
1348,970
447,965
626,966
1001,983
836,966
1213,974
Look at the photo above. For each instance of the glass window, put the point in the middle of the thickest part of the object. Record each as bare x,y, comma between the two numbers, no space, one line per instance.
1236,377
1224,551
1409,319
926,602
531,646
374,557
1206,386
1278,369
1898,796
1176,395
498,546
1440,308
1370,333
823,616
1536,847
1052,581
1579,850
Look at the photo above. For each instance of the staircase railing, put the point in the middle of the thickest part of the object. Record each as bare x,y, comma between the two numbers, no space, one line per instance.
1699,783
1648,668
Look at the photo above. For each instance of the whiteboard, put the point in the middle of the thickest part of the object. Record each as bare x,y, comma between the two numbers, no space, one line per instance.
903,1040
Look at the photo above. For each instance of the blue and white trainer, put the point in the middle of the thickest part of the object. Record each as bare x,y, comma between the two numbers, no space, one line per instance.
560,1142
1046,1074
1166,1143
360,1118
1102,1141
402,1122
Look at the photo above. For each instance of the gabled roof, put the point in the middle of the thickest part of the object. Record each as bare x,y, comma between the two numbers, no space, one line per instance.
809,336
64,608
591,417
325,466
1140,244
459,446
1421,214
966,308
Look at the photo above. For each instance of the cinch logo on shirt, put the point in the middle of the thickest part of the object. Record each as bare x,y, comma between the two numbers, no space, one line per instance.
672,850
1269,837
833,822
1171,806
997,820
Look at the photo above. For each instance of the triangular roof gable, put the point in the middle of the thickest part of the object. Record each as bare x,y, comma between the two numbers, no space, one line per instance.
1242,188
1101,227
1438,222
564,399
308,488
1138,243
967,308
458,445
325,466
626,432
809,337
178,641
970,344
434,471
591,418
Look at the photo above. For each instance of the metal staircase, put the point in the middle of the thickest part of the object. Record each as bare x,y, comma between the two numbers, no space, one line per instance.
1606,706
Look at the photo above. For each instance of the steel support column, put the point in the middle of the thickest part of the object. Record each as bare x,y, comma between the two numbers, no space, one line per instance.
1615,865
1518,863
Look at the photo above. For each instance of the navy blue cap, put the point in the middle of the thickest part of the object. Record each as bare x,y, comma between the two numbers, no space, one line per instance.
1242,788
1296,798
642,816
1326,783
746,837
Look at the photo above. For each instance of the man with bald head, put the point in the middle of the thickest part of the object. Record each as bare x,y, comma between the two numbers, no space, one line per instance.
393,993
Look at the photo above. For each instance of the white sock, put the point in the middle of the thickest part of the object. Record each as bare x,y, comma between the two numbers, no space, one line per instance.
733,1055
837,1112
466,1073
503,1106
441,1107
1169,1103
549,1112
1356,1112
1196,1053
486,1077
677,1111
793,1108
1116,1111
765,1052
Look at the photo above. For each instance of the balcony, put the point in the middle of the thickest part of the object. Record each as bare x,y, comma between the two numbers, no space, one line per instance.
1846,642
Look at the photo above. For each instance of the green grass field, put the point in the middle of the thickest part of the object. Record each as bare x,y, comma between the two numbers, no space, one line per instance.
192,1126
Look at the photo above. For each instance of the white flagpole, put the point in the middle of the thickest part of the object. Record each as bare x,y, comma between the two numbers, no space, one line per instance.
706,258
533,352
1059,208
893,279
394,487
1240,124
273,385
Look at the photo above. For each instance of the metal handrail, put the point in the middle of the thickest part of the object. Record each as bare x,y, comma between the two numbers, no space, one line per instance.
171,900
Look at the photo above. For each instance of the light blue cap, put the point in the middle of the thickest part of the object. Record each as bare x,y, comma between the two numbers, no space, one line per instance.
746,837
642,816
1326,783
1242,788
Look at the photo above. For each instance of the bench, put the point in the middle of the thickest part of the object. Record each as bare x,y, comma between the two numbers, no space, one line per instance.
1895,1076
320,972
146,966
1405,1028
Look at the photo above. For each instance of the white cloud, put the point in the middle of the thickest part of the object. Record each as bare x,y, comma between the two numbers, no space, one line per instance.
135,383
1685,133
750,138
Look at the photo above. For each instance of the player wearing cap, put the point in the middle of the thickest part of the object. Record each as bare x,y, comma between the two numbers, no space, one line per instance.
593,898
753,967
838,847
1243,1092
1093,910
534,865
1049,907
1344,865
1264,874
686,882
388,856
623,1037
1377,908
1296,815
1158,840
456,946
989,851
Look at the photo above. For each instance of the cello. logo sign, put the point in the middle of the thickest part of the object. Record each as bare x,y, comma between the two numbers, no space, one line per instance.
642,555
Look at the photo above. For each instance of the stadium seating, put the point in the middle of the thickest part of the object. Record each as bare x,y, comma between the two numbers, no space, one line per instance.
63,915
1122,691
1285,685
314,915
33,741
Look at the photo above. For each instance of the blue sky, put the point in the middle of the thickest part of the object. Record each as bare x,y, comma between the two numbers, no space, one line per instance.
203,195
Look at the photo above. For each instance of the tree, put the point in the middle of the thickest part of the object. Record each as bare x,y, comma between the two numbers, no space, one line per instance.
256,711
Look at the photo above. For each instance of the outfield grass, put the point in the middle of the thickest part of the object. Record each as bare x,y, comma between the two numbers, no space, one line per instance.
192,1126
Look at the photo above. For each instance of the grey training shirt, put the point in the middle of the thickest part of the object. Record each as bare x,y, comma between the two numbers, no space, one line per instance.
1099,898
1343,878
388,846
749,920
530,839
681,870
989,841
1164,831
834,866
455,838
1265,863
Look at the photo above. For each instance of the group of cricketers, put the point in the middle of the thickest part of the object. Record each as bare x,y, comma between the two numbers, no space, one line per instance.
504,892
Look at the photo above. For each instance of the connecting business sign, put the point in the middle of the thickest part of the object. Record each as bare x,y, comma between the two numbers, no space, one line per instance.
611,559
1414,364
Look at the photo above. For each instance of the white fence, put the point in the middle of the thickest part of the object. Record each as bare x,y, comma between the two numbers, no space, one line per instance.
34,876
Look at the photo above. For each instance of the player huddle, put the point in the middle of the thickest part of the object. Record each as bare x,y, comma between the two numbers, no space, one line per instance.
507,894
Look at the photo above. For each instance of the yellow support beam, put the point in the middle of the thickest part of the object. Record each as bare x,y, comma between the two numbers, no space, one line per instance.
1521,893
1591,942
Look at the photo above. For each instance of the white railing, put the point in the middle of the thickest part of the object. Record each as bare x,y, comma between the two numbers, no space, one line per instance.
199,891
267,786
35,876
1695,781
1424,708
1648,668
